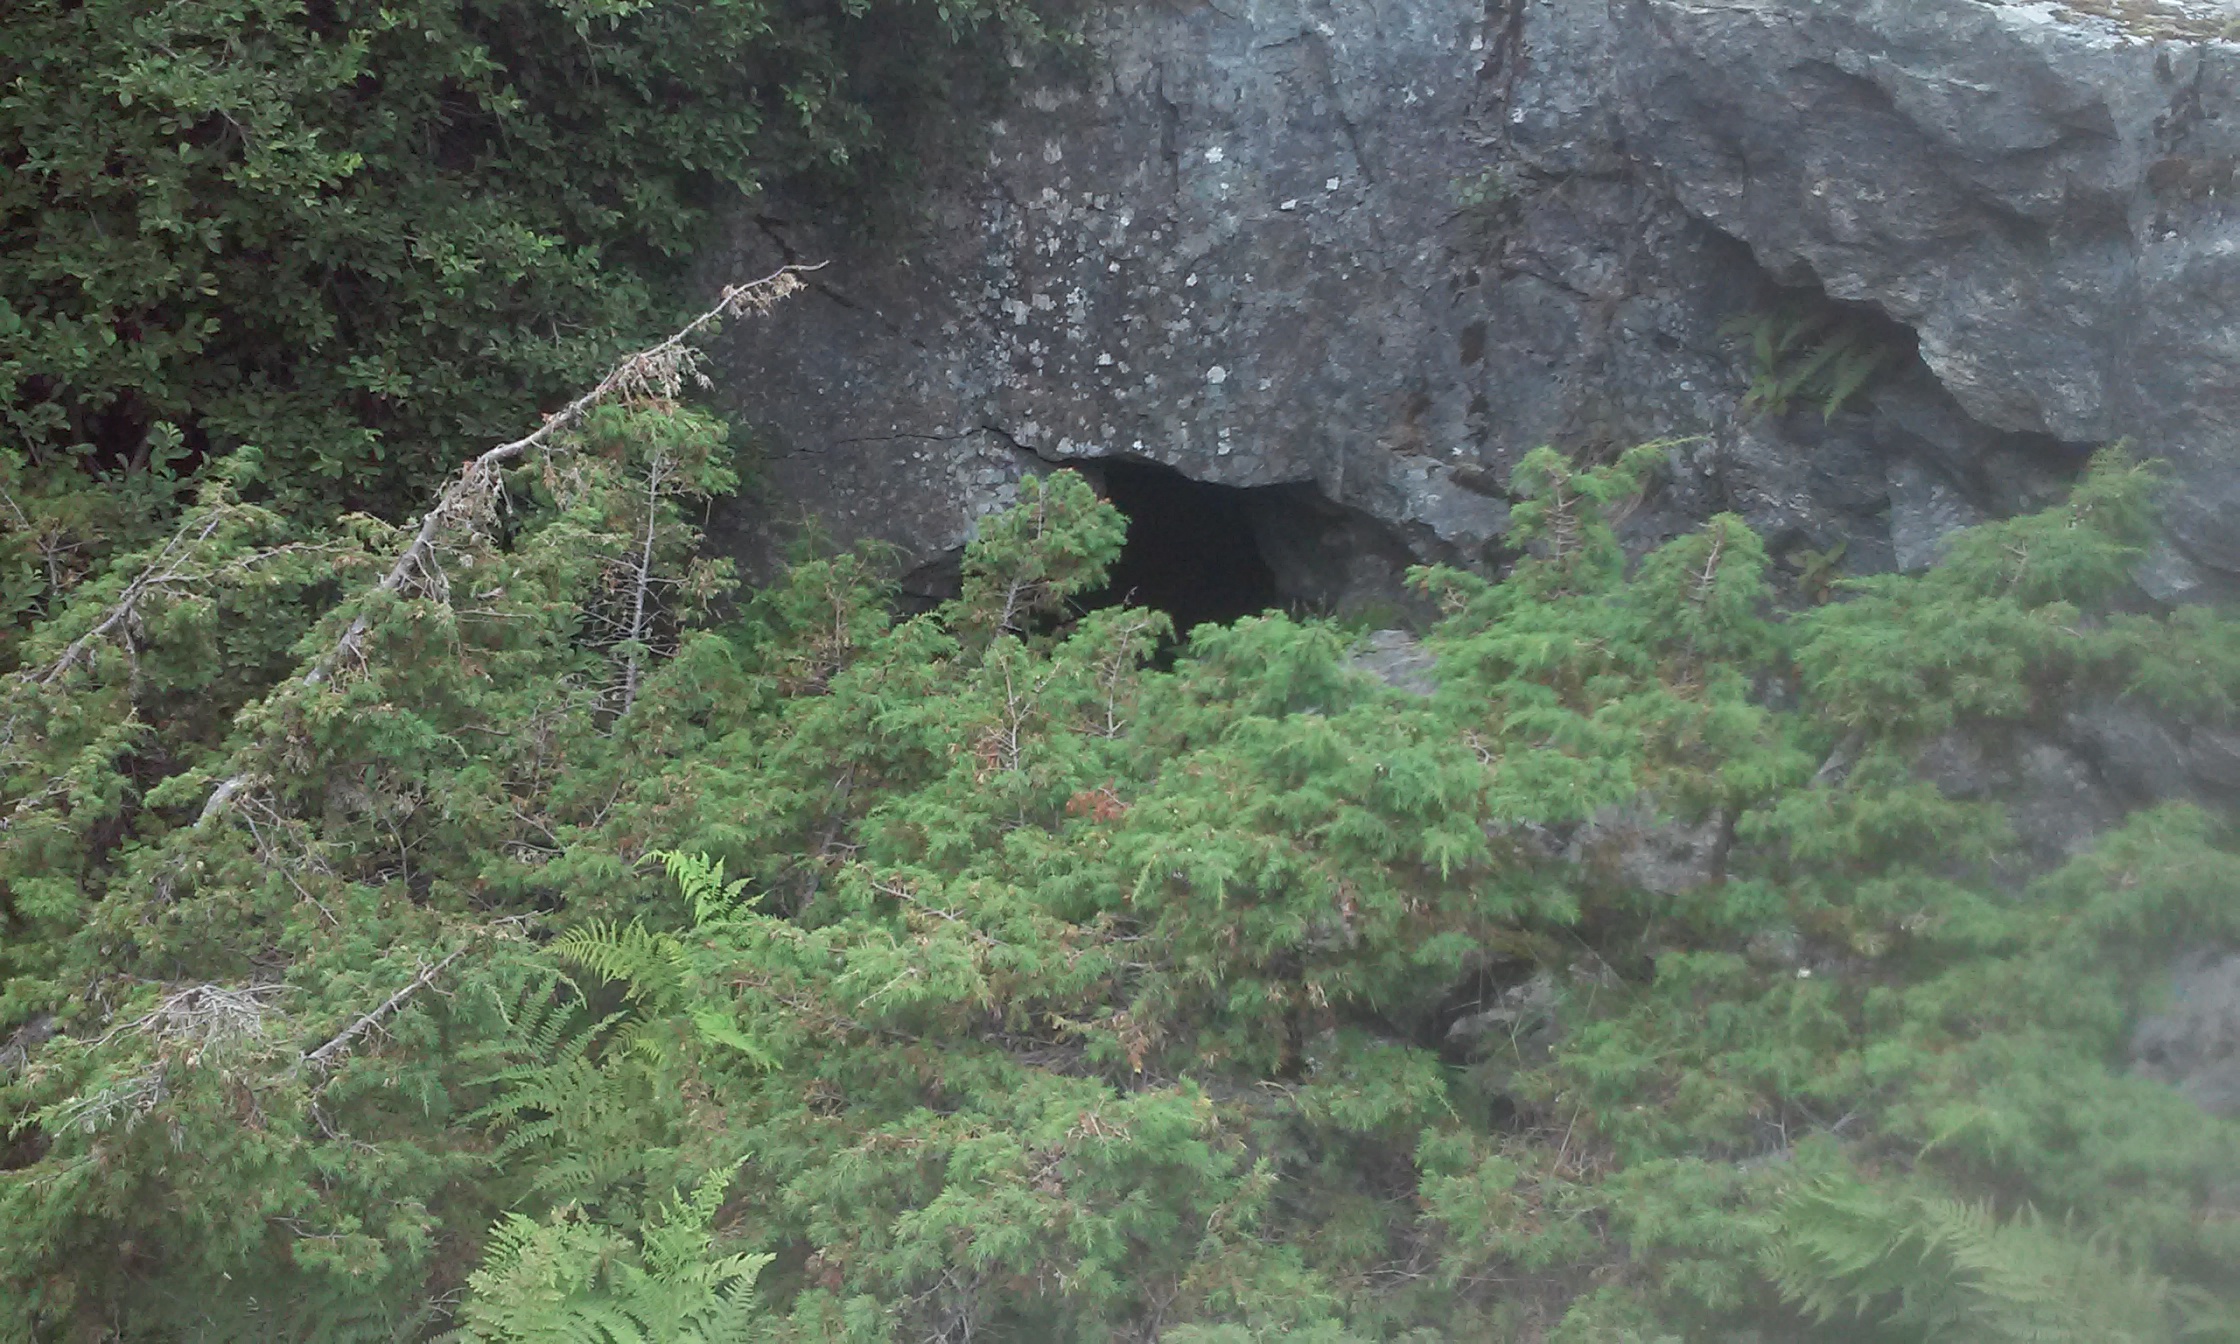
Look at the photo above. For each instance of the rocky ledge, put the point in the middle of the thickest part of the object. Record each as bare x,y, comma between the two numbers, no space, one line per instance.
1383,249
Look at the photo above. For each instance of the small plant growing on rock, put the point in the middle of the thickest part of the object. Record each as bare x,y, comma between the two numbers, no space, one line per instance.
1815,351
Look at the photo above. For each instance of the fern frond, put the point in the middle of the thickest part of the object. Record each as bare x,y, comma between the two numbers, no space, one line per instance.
1854,366
713,900
722,1029
568,1280
1808,349
650,963
1946,1270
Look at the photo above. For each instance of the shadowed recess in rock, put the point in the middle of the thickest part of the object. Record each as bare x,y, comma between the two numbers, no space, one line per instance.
1202,551
1190,551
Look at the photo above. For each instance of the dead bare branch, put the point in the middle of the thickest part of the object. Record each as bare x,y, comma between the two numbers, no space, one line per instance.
160,572
323,1058
655,373
643,586
206,1016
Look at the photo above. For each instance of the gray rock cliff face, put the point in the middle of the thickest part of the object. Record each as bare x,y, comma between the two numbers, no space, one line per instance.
2046,202
1385,247
1359,256
2194,1043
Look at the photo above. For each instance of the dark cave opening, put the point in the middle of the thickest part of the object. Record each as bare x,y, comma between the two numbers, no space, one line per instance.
1203,552
1191,552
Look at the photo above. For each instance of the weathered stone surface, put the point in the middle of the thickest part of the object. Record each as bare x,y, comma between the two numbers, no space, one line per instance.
2047,202
1651,851
2194,1043
1399,660
1221,251
2057,797
2146,756
1384,247
1522,1015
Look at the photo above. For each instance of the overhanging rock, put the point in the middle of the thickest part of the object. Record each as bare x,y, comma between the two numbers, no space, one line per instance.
2048,199
1383,250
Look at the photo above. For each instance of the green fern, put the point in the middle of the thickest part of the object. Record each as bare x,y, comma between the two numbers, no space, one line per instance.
701,880
659,968
554,1093
575,1088
1933,1269
651,964
569,1280
1819,571
1809,350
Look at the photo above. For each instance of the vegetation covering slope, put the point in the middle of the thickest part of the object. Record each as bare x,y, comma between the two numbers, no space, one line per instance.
963,976
485,924
363,241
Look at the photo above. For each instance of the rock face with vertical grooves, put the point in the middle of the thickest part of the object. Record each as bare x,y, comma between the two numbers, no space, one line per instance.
1384,249
2047,202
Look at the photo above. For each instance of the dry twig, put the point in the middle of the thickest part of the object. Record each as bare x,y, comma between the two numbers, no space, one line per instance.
323,1058
655,373
658,372
160,572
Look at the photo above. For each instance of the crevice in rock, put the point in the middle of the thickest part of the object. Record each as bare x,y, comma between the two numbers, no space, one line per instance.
929,585
1503,30
1804,347
1205,552
1848,453
1191,550
1170,135
1324,67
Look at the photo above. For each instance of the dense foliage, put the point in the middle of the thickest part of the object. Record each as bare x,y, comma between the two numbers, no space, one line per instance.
435,905
367,239
966,976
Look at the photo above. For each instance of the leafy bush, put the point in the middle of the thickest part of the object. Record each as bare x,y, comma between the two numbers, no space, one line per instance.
989,981
365,240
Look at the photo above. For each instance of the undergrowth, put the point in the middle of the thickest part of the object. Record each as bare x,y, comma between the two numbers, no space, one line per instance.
965,976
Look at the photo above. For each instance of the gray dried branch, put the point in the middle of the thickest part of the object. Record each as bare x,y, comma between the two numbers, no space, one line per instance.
160,572
323,1058
187,1024
641,589
655,373
181,565
207,1017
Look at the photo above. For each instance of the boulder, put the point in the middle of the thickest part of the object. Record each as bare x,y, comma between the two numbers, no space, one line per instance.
2194,1042
2046,198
